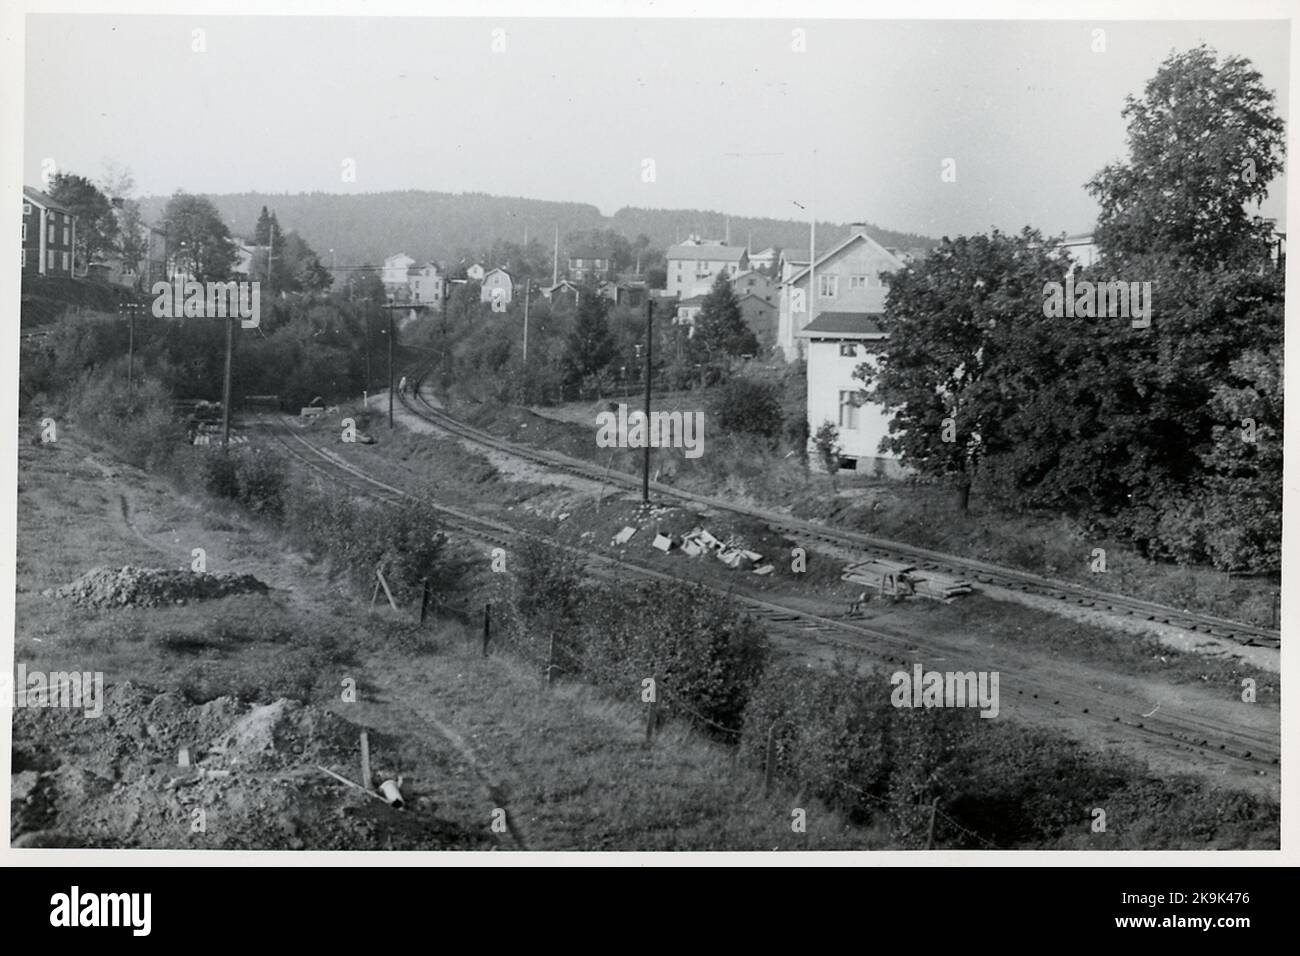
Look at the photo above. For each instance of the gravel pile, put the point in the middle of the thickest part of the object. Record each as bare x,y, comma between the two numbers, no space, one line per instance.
151,587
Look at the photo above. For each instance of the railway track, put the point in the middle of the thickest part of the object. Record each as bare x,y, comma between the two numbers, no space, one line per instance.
870,546
1231,749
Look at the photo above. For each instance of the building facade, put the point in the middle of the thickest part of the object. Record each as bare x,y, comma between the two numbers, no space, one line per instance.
428,285
836,344
49,236
848,279
693,265
497,286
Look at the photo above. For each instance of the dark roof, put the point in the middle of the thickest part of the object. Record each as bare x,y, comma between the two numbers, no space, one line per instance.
844,324
42,199
693,300
588,252
707,252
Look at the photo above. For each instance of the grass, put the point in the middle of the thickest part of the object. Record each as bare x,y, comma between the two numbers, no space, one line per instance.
571,763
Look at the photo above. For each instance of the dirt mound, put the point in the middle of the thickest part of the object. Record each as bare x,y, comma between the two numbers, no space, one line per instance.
248,779
151,587
283,733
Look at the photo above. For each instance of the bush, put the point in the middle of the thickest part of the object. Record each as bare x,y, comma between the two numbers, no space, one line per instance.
754,408
249,476
138,423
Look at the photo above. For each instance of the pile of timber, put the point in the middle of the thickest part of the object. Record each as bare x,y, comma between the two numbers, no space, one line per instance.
895,577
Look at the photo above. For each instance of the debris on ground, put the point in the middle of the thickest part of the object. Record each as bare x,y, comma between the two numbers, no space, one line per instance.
152,587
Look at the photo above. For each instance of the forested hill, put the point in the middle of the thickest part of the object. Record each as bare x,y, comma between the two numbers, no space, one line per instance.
364,228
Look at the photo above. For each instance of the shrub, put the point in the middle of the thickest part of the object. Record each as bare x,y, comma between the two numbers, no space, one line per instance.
744,405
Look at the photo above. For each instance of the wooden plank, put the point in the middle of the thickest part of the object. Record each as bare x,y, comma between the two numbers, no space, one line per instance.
365,760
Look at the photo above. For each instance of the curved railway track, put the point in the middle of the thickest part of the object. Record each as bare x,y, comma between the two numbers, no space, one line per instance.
870,546
1233,749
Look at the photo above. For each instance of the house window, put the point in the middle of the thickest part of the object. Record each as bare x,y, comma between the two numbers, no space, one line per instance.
49,259
49,235
27,209
67,234
858,282
22,259
66,264
24,232
828,286
848,350
849,410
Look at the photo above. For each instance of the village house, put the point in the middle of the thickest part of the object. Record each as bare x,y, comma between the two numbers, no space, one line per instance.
762,316
396,274
564,289
693,265
837,343
49,236
587,263
476,272
754,283
848,278
497,279
764,259
428,285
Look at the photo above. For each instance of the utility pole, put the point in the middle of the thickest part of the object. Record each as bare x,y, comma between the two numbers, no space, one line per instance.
225,388
130,347
555,261
649,338
391,337
527,283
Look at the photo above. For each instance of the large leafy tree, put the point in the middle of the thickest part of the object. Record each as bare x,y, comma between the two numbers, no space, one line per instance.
97,228
197,238
963,324
1204,143
720,328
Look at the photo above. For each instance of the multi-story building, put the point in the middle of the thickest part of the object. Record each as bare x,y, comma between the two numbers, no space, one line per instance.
693,265
764,259
49,236
428,285
589,264
396,273
848,278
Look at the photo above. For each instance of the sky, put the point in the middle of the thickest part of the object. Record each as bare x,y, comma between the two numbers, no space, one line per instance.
731,116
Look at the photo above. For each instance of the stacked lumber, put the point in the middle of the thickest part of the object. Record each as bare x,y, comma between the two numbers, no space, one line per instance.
895,577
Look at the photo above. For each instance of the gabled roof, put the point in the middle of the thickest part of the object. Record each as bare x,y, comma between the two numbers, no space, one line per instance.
843,325
794,255
720,253
827,256
500,270
768,253
44,201
693,300
588,252
754,295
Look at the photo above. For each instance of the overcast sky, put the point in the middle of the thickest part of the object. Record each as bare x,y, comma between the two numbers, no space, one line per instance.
728,111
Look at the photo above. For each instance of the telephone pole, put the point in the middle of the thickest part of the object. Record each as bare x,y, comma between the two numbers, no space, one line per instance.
225,388
527,283
391,337
649,338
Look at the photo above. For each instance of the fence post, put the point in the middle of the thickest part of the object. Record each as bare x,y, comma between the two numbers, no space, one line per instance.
651,713
487,626
770,760
929,836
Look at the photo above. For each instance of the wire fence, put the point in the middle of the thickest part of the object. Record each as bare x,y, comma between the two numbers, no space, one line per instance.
549,666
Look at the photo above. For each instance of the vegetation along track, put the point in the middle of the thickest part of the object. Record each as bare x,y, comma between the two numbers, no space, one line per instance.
1228,749
870,546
